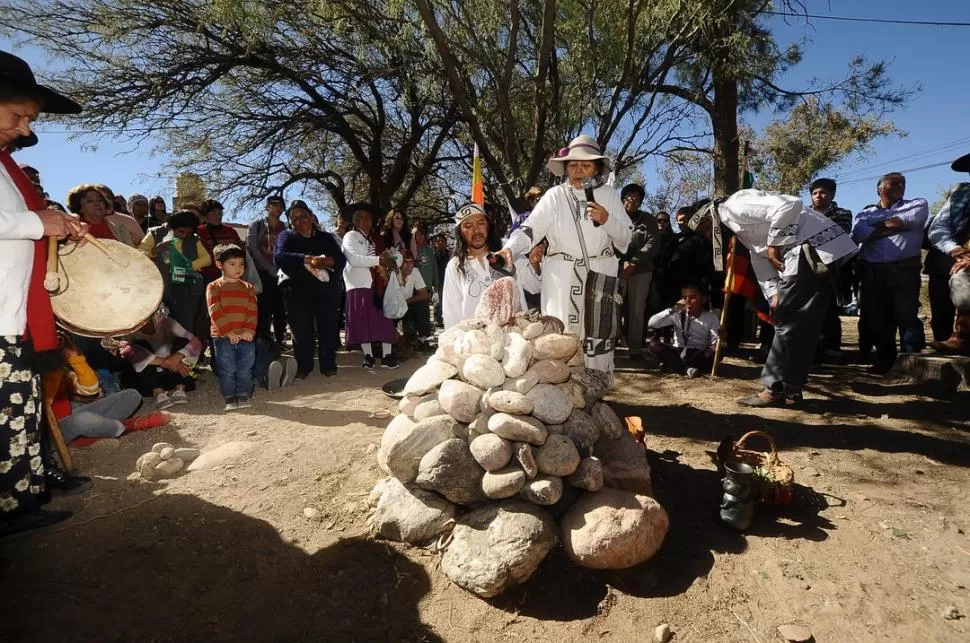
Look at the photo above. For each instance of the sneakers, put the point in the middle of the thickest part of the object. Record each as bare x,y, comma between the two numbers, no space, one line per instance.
274,375
368,361
163,401
244,403
179,397
147,421
389,362
290,371
231,404
693,373
299,376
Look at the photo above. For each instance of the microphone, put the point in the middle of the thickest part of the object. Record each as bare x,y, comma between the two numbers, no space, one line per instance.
588,187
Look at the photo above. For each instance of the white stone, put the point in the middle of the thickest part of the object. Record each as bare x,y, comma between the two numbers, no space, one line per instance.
516,355
490,451
497,338
533,330
504,483
187,454
158,446
613,529
510,402
543,490
557,457
497,547
311,513
147,463
459,399
220,455
450,469
428,408
403,445
410,402
168,468
522,384
473,342
551,405
518,428
482,371
429,377
409,515
555,346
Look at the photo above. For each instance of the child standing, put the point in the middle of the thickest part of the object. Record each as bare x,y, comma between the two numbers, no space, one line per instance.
695,334
233,311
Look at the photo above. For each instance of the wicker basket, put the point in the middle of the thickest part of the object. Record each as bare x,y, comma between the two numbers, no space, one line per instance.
773,478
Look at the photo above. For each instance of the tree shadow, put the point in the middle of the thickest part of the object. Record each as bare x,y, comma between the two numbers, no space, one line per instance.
177,568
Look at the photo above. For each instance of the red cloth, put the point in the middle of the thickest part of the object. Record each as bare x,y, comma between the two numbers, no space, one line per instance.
40,315
744,282
101,231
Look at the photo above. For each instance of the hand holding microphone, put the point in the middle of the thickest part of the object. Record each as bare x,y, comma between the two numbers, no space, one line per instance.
597,213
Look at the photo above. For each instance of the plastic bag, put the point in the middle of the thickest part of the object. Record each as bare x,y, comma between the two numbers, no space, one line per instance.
251,276
395,303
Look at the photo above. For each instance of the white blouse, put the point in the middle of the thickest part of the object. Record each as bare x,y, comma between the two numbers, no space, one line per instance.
361,257
19,227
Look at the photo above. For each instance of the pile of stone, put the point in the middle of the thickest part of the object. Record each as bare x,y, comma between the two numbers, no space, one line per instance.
501,433
163,461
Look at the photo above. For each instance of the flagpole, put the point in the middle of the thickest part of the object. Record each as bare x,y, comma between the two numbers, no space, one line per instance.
728,282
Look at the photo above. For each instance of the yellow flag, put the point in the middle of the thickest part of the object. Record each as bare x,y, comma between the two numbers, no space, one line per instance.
478,186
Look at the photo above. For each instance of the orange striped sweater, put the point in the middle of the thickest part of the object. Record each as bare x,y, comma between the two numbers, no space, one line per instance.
232,306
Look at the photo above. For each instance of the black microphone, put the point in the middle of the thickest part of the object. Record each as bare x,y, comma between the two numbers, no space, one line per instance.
588,187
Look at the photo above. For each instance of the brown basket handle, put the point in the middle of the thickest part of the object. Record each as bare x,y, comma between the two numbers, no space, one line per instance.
774,447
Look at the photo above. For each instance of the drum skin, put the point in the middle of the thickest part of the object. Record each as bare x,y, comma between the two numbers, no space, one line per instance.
105,296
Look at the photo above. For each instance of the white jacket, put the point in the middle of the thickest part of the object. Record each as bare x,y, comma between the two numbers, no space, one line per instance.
361,257
762,219
19,228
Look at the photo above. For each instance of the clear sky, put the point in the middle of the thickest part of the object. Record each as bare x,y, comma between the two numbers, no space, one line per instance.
937,121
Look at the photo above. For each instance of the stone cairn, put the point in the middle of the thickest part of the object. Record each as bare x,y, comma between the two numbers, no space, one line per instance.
499,434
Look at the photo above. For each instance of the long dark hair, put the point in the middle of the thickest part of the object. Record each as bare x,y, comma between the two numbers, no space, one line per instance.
461,246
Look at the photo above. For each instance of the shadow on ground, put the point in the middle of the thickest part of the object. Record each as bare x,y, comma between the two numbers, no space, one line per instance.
177,568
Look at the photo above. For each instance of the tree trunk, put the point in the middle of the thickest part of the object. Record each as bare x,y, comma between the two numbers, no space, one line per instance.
724,118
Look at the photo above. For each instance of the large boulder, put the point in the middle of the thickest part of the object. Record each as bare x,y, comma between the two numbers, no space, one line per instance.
498,546
607,420
581,429
490,451
557,457
510,402
503,483
404,443
410,515
551,405
518,428
625,464
613,529
482,371
450,469
429,377
555,346
516,356
460,400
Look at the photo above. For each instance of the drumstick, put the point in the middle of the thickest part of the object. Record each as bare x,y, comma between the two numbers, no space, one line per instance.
94,241
51,281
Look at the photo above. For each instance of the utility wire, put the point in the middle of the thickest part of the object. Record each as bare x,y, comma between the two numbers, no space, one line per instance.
926,23
907,158
905,171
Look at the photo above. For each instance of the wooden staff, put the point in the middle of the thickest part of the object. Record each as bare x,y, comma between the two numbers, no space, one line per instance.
51,280
728,279
51,383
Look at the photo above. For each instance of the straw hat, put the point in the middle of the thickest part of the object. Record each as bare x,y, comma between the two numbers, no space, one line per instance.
581,148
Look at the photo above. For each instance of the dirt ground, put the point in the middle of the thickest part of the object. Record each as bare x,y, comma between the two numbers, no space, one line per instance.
876,546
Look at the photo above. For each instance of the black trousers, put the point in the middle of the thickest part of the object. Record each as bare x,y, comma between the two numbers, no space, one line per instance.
312,310
272,310
419,315
942,310
890,296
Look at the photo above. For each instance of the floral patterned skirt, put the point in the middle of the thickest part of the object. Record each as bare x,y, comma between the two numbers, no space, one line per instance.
22,485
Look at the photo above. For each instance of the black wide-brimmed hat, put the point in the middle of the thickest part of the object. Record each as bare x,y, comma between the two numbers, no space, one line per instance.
962,164
16,73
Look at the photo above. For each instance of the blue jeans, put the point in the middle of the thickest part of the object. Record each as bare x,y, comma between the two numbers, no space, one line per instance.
234,363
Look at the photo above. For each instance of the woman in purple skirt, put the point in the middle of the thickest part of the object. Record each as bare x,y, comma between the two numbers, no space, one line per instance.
366,323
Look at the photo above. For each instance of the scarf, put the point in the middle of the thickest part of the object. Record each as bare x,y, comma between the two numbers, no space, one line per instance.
40,315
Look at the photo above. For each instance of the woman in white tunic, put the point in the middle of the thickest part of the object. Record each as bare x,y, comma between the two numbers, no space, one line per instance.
579,271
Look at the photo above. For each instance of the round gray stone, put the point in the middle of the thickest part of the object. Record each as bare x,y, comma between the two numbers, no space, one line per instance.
557,457
503,483
543,490
491,451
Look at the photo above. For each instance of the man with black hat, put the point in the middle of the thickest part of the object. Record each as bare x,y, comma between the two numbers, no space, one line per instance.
28,339
948,265
823,202
261,239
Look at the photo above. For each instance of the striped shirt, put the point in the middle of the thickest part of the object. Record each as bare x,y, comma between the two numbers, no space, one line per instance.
232,306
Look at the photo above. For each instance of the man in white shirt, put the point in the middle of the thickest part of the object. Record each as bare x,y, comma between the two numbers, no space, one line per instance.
415,291
468,273
695,334
792,249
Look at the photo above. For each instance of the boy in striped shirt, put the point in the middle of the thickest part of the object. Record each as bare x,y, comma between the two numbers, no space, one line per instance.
232,309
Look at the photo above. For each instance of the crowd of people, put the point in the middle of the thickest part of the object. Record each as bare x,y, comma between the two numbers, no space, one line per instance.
269,309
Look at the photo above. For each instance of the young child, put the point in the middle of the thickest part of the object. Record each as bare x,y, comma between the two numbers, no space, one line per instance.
695,334
232,309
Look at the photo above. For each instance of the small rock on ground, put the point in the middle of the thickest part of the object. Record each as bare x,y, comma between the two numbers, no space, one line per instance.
795,633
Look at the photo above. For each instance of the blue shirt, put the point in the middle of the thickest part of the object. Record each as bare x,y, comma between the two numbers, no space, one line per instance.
949,226
903,244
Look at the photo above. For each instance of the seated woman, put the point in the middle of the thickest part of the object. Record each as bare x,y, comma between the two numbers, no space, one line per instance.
82,409
161,355
89,203
695,334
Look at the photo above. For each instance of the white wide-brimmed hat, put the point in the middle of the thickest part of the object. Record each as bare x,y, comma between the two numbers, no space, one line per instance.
581,148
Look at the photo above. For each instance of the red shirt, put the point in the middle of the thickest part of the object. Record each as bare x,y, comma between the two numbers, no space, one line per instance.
101,231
